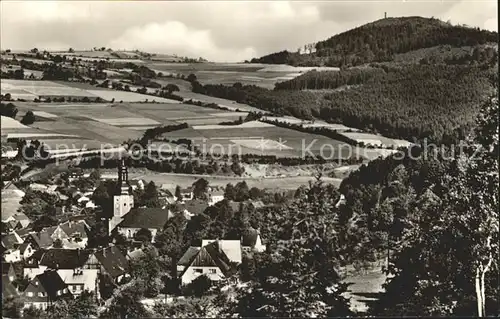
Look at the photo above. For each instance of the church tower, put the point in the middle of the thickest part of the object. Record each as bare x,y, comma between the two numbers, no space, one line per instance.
123,200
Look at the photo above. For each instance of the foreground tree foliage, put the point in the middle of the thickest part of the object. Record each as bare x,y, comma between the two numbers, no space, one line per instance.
296,276
445,261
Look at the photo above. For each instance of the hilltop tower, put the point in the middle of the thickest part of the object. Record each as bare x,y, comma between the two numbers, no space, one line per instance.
123,200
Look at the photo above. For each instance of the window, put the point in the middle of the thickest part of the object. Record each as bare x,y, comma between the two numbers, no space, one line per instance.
59,292
65,290
41,294
77,287
29,294
198,271
212,271
124,204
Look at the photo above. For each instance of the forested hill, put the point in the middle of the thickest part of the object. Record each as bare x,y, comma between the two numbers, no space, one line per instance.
382,40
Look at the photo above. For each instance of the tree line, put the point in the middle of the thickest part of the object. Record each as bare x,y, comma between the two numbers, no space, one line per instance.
381,40
412,102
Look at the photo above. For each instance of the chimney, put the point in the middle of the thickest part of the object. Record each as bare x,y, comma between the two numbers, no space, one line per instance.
385,15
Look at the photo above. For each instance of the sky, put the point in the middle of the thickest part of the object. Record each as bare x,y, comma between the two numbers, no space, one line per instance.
221,31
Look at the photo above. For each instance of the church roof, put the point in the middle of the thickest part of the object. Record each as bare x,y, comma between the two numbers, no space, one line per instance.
146,218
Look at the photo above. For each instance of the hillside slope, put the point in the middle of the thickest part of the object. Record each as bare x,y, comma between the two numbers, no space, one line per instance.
381,40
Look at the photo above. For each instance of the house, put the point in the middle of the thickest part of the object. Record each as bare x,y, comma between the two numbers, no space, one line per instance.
217,259
24,232
73,235
44,289
10,246
22,219
153,219
192,207
140,253
80,280
215,197
111,261
8,271
38,187
8,289
26,250
90,204
165,194
251,241
136,184
82,200
42,239
186,194
73,266
17,220
341,201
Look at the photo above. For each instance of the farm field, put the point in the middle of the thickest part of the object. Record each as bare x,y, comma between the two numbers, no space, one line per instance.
376,140
11,128
188,95
29,90
184,180
310,124
263,75
262,138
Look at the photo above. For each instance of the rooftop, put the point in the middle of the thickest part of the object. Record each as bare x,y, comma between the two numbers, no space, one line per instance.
146,218
113,261
65,258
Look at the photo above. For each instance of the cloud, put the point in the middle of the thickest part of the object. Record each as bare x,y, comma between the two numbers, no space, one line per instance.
218,30
175,37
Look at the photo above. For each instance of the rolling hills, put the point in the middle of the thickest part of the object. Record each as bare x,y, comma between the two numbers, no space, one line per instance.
381,40
408,78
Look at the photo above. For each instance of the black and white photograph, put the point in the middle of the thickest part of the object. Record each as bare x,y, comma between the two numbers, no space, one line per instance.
249,159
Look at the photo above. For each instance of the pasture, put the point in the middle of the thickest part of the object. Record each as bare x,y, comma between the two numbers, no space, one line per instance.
262,75
263,139
376,140
30,90
185,180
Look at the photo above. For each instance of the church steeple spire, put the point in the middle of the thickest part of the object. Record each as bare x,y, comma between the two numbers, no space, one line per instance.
123,178
123,199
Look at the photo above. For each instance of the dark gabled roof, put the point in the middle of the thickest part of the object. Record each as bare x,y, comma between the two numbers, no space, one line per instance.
32,262
145,218
113,261
20,216
23,247
9,241
16,268
211,256
195,206
8,289
71,228
24,232
6,267
188,256
65,258
51,282
142,252
43,238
